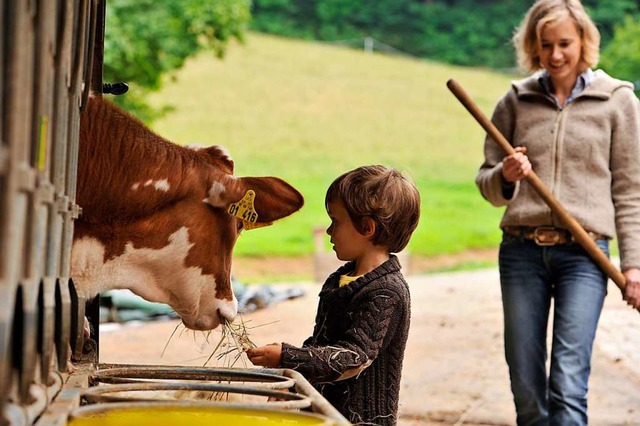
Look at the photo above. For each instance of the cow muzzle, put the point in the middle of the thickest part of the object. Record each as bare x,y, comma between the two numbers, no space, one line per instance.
223,311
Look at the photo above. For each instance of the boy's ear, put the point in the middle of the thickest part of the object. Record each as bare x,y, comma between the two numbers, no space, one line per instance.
368,227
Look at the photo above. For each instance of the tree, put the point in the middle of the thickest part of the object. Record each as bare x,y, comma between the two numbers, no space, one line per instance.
609,13
463,32
471,32
146,39
622,56
290,18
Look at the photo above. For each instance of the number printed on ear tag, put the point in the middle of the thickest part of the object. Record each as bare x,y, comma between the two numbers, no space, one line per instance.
244,209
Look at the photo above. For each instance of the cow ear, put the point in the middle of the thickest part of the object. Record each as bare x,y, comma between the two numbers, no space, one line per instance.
274,198
271,197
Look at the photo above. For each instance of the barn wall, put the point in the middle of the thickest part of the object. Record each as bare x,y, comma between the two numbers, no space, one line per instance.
46,51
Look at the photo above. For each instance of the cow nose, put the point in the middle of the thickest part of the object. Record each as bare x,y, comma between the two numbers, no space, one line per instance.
202,324
225,310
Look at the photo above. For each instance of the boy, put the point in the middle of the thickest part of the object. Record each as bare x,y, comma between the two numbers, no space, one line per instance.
354,357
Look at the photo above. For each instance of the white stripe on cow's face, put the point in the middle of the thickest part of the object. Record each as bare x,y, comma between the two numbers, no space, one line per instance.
215,195
158,275
160,185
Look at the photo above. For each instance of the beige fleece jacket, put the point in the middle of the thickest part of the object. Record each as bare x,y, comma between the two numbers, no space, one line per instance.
587,154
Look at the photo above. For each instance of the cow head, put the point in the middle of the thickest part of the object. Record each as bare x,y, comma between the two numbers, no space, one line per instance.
234,205
162,220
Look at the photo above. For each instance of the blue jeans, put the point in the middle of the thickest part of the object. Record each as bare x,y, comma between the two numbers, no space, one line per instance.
530,276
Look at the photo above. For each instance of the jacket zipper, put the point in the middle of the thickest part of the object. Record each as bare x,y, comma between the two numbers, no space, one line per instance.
558,144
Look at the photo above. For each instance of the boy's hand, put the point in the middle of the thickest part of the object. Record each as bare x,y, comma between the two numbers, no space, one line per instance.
266,356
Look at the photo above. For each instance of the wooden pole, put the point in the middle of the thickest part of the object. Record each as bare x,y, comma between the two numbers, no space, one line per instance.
578,232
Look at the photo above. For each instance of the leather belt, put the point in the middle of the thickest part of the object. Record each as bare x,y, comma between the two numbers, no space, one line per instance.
547,235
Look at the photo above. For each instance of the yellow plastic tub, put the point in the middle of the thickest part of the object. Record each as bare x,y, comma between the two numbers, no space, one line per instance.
162,414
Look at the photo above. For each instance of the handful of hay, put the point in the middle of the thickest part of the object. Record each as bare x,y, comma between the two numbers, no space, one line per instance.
233,343
234,338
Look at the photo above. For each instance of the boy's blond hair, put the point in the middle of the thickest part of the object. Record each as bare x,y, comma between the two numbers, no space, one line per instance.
527,37
384,195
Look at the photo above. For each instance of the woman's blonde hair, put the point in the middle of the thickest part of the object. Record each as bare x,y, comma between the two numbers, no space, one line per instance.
527,36
383,195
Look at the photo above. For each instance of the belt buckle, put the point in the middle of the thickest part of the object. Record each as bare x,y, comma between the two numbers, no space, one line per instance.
546,236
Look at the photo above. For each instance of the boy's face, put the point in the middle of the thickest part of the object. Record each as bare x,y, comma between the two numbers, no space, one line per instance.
347,242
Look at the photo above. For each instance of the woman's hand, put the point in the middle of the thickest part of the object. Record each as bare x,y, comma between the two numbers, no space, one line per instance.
266,356
516,166
632,291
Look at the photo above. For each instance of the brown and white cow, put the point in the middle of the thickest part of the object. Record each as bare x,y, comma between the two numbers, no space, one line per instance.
155,216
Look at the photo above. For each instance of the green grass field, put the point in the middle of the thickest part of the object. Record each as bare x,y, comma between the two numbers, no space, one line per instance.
307,112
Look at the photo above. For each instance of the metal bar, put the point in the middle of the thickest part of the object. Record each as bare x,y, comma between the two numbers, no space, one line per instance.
47,326
60,131
318,403
125,373
3,69
16,98
98,47
38,27
94,50
63,322
92,82
124,393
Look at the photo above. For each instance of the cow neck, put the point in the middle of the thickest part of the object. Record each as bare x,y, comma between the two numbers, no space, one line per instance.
142,170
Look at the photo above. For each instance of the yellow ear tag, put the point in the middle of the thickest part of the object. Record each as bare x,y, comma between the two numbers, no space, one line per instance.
245,211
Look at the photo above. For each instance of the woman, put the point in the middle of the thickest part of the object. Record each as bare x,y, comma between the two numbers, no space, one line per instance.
579,130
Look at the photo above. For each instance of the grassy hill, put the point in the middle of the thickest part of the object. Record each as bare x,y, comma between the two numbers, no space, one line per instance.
307,112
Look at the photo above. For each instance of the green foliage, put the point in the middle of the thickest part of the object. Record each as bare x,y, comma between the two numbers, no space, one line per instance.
471,33
622,55
607,14
394,21
455,32
285,17
146,39
462,32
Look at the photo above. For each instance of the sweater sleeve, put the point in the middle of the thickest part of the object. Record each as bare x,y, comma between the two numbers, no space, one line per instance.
489,178
355,351
625,168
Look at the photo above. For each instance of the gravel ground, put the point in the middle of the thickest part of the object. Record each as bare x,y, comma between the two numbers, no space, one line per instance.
454,370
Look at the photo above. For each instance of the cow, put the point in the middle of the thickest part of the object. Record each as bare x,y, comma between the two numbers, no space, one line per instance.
161,219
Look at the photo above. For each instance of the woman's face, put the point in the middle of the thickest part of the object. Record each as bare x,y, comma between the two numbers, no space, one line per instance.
560,52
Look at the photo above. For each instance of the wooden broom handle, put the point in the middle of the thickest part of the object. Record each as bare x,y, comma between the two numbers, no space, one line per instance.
578,232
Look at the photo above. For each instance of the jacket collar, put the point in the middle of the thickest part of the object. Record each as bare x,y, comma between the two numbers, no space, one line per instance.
390,266
601,87
582,83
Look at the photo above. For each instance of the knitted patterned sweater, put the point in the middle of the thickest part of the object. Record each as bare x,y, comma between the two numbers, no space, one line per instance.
354,357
